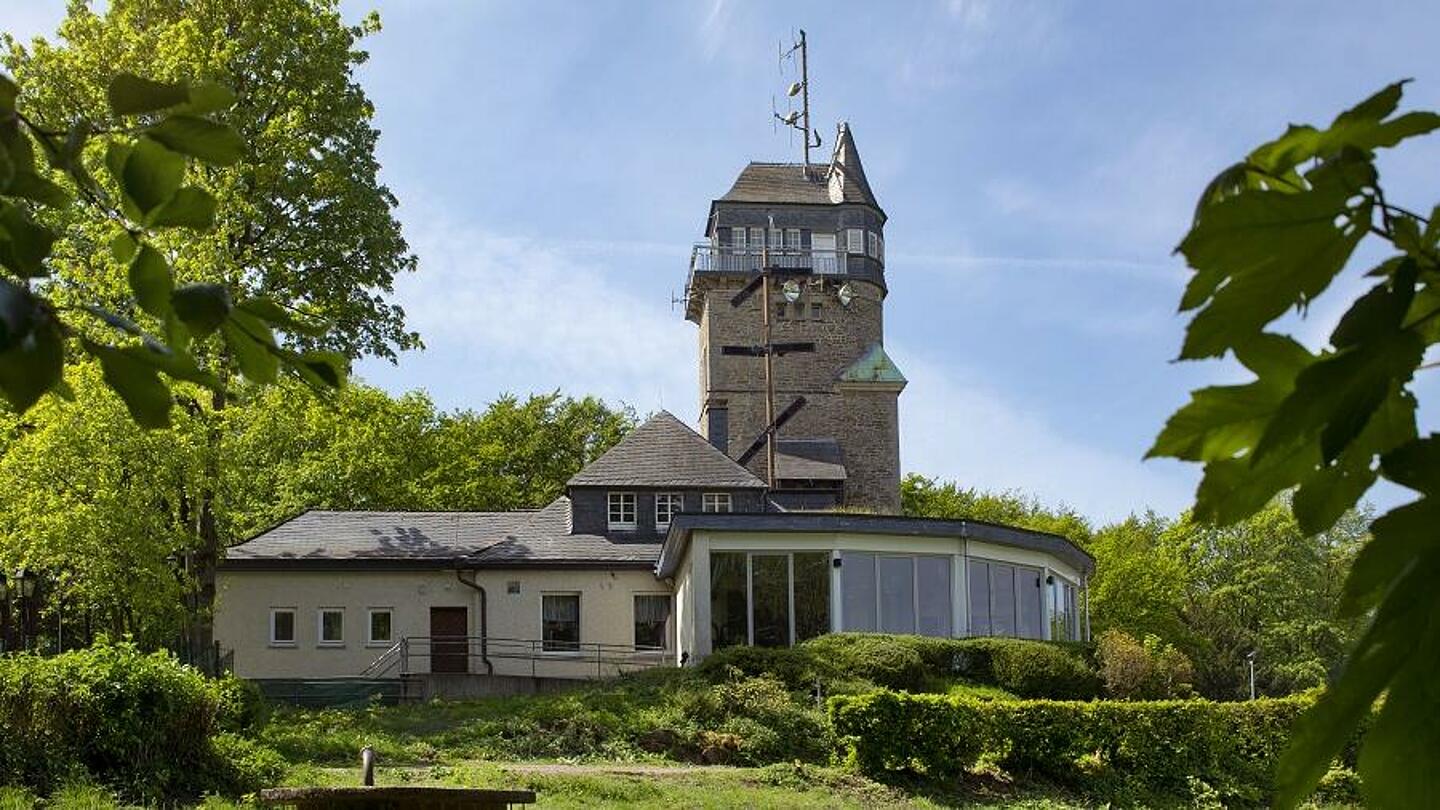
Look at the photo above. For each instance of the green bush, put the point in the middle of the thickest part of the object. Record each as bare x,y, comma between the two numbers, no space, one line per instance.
241,707
1120,751
1143,670
769,722
240,766
793,666
890,661
140,725
1035,670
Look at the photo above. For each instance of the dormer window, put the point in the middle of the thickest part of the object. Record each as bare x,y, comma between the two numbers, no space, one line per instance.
621,510
715,502
667,505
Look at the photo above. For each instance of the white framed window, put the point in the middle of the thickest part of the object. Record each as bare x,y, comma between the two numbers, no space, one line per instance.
882,249
621,510
757,238
652,621
872,244
855,240
792,238
667,505
560,622
379,626
737,237
776,236
282,627
715,502
332,627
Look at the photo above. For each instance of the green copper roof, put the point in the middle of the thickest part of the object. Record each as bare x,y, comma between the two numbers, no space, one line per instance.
874,366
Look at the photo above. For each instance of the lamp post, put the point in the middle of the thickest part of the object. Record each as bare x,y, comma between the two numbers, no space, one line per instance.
4,613
1250,658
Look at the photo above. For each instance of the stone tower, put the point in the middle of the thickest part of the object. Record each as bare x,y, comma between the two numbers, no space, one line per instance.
843,447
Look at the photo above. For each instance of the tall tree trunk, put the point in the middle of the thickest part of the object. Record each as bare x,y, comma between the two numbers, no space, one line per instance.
210,547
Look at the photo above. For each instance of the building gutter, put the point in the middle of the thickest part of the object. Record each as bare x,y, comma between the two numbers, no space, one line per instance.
484,619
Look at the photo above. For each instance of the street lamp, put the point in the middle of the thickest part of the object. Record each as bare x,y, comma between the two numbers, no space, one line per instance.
24,588
4,612
1250,657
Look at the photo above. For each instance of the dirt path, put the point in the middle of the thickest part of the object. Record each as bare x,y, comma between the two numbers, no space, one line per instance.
614,770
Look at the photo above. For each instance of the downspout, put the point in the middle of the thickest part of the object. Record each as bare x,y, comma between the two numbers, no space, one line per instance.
484,620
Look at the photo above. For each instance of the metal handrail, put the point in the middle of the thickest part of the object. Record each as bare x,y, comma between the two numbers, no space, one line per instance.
525,649
385,662
706,257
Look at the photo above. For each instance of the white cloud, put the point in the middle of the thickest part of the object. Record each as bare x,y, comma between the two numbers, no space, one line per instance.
514,314
955,427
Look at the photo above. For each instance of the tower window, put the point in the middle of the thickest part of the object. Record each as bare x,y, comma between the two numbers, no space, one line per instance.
780,309
667,505
792,238
737,237
621,510
715,502
872,244
775,237
757,238
855,240
816,311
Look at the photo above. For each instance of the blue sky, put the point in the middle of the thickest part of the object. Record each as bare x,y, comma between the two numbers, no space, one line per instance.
1038,162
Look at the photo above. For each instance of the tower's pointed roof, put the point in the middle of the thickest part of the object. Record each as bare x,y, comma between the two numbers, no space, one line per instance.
665,452
847,172
875,366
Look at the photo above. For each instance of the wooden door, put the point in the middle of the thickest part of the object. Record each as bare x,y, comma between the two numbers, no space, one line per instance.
449,627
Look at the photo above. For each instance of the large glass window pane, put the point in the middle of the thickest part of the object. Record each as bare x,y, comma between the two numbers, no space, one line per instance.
979,588
729,622
857,589
1002,599
932,579
812,594
652,619
560,622
1030,590
897,594
770,594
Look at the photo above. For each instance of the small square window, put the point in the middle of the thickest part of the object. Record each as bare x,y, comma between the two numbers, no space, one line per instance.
560,622
332,626
715,502
816,311
621,510
780,310
513,587
381,628
282,626
667,505
855,240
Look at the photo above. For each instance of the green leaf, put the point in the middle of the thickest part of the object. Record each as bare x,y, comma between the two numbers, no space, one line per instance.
123,246
152,175
269,311
1260,253
175,363
31,186
1398,537
145,395
119,322
32,367
201,307
19,313
1218,422
190,208
1233,489
177,335
1406,732
1328,492
9,91
24,246
208,97
131,95
199,137
323,370
151,281
251,344
1416,465
1322,731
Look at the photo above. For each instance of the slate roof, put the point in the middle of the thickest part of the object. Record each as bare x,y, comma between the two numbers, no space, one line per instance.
809,460
665,452
320,534
545,540
790,183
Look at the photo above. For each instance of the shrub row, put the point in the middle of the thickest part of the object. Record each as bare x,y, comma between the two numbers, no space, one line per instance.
1114,750
142,725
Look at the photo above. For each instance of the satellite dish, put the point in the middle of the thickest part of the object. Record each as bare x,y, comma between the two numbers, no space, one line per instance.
846,294
794,89
791,290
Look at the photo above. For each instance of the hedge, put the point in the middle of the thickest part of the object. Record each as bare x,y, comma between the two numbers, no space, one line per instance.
1125,751
139,724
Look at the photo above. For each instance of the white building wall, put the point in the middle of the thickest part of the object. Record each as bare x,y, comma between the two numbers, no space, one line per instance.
242,618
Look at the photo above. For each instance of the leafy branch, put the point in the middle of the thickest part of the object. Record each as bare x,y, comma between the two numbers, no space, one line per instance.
161,130
1270,234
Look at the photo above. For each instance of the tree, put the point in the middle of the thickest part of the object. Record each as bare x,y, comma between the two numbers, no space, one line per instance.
1270,234
302,227
927,497
1139,582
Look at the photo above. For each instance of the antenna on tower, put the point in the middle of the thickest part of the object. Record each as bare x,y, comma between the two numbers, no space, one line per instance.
799,119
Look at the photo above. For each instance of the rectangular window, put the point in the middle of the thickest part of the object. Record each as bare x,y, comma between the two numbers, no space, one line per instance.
812,594
855,240
897,594
1064,623
282,626
652,621
776,235
729,601
979,589
770,599
715,502
792,238
560,622
780,310
667,506
757,239
381,628
872,244
857,586
621,510
816,311
932,594
882,250
737,237
332,626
